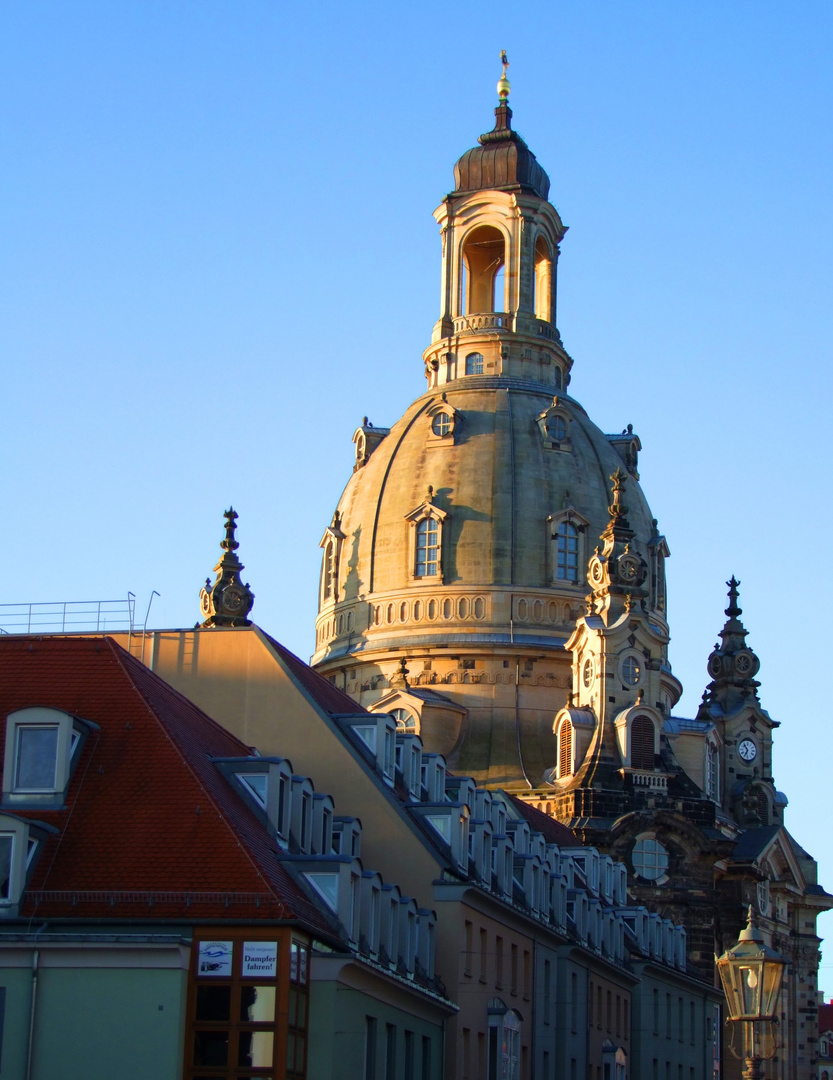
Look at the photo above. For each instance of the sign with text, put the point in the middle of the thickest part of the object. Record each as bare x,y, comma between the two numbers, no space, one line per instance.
260,958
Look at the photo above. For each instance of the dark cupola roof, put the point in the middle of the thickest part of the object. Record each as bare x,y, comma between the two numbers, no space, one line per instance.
503,161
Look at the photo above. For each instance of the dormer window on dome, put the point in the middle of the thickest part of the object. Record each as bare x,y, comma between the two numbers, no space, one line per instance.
444,420
554,424
426,540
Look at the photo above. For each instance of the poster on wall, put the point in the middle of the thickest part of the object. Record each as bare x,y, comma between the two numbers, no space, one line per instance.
215,958
260,958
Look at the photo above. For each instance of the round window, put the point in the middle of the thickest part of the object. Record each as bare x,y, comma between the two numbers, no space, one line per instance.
649,858
587,675
631,671
441,424
405,721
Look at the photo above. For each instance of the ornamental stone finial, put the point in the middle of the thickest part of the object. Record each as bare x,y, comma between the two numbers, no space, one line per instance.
732,665
228,601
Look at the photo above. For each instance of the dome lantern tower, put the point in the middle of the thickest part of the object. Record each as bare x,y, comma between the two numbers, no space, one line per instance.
500,250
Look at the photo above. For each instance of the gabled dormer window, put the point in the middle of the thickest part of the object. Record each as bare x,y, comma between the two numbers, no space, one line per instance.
41,747
568,558
426,540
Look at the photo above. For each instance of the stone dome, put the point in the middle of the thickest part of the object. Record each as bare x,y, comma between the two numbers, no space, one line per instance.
455,566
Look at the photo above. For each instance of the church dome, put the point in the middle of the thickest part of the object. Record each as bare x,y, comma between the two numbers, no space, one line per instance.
513,484
457,556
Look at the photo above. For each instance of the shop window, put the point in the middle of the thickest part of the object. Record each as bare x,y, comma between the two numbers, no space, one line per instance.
504,1044
240,990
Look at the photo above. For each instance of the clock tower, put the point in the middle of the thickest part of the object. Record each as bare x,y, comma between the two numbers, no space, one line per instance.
228,601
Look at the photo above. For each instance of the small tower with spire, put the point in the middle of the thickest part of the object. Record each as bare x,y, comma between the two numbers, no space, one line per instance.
732,664
228,601
617,571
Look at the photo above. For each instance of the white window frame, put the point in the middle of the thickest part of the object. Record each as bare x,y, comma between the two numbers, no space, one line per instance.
426,512
23,849
67,742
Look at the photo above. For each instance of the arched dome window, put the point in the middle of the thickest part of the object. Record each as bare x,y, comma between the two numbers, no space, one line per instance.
427,548
405,721
484,257
565,749
543,280
642,743
566,563
474,363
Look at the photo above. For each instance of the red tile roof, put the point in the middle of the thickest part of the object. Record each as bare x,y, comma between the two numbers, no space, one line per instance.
826,1017
148,818
552,831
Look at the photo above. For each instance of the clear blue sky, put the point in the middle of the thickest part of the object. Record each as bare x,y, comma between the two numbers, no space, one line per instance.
218,255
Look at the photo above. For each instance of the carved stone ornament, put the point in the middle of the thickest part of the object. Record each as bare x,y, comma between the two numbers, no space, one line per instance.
228,601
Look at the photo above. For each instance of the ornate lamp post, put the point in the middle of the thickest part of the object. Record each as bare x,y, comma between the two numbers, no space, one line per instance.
751,974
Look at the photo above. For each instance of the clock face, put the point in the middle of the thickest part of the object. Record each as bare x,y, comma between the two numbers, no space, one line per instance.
232,599
747,750
627,568
745,664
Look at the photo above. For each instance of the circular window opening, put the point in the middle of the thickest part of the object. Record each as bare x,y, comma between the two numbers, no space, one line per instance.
441,424
631,671
649,859
588,672
405,721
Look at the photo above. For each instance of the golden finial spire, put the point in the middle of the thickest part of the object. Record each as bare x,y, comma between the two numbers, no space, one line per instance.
503,86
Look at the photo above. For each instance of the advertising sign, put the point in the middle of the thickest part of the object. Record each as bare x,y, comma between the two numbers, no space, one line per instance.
215,958
260,958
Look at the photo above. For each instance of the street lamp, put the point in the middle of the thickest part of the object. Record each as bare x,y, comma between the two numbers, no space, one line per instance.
751,974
